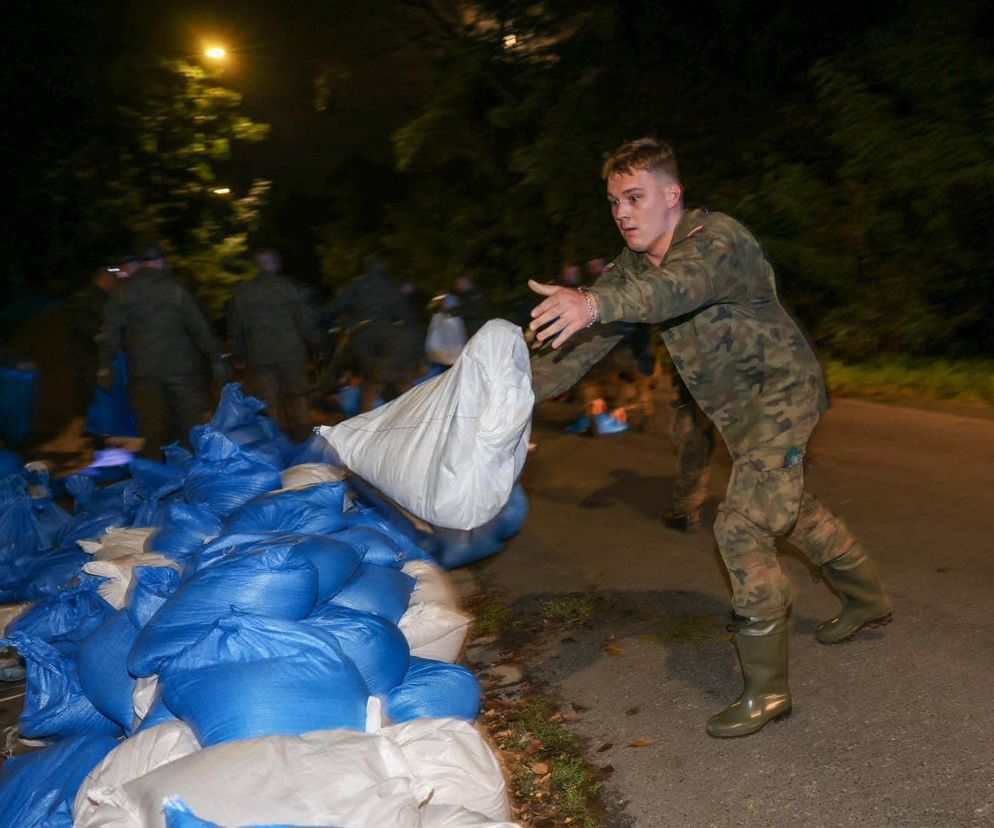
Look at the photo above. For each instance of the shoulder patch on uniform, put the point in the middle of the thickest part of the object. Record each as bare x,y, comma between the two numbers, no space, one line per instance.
695,231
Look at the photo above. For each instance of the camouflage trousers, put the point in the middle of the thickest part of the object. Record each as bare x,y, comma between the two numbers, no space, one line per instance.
693,437
766,500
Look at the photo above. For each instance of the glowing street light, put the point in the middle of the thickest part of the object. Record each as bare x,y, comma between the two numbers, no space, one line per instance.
221,191
216,52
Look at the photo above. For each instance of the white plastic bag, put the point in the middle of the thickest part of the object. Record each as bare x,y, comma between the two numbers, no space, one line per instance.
446,338
119,571
434,631
328,777
307,474
450,449
453,758
433,585
117,543
99,801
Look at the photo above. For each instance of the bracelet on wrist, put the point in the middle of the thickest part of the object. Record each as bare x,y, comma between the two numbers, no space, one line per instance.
591,305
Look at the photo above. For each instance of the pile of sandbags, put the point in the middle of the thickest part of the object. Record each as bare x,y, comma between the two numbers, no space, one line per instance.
225,646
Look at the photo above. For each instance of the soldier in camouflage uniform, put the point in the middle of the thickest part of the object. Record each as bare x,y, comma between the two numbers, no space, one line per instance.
702,277
166,337
273,332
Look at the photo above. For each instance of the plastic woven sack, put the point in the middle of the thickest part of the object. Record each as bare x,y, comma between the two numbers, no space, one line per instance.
129,760
102,665
273,582
116,574
71,614
316,510
324,778
183,531
16,404
303,475
460,548
376,647
252,676
224,475
54,705
374,545
381,590
453,756
435,631
449,450
150,587
19,524
37,789
239,416
179,815
434,690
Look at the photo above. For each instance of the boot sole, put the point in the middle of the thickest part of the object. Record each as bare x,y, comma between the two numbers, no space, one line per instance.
779,717
883,621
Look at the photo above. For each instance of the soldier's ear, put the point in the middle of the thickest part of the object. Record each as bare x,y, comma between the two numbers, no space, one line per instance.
673,193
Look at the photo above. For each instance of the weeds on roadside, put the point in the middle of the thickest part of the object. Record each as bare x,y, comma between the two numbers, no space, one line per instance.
569,608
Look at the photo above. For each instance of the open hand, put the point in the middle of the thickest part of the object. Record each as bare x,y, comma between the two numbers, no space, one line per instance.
561,314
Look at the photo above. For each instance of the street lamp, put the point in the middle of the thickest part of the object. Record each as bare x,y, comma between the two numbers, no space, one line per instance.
221,191
216,52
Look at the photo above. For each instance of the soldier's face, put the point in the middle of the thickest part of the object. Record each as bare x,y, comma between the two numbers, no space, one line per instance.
646,208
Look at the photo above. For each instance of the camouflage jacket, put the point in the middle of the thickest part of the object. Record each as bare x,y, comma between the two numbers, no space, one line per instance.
162,329
743,358
269,322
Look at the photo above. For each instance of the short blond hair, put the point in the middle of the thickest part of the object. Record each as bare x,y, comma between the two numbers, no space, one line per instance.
642,154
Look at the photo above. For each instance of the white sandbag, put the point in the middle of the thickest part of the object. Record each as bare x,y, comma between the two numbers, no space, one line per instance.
328,777
99,801
306,474
144,695
118,572
117,543
433,585
453,757
450,449
435,631
455,816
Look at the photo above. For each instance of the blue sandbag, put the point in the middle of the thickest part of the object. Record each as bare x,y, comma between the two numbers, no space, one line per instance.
176,455
54,705
183,531
239,416
462,547
151,488
158,713
314,450
10,463
381,590
334,561
313,510
273,582
102,665
110,413
252,676
224,476
434,690
16,404
70,614
150,587
375,546
19,524
48,572
37,790
371,518
378,648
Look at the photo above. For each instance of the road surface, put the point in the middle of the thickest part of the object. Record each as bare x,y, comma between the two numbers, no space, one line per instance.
895,728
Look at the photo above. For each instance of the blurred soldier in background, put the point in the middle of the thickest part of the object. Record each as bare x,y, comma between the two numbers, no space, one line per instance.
472,305
273,333
382,341
693,439
166,338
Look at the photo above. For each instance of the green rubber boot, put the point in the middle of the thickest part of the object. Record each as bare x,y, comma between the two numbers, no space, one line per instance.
762,647
864,602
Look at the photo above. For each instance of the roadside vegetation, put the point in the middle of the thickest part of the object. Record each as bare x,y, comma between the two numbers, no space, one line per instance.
965,381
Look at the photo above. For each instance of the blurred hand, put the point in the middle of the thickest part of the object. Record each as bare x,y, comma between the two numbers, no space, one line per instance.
563,312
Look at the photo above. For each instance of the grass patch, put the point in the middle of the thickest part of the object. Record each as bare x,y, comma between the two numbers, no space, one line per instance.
570,608
492,618
965,381
690,629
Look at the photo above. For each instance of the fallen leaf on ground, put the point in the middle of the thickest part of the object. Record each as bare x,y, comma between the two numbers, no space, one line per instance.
611,649
540,768
641,742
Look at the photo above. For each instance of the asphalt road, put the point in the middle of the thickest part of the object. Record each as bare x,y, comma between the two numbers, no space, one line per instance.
895,728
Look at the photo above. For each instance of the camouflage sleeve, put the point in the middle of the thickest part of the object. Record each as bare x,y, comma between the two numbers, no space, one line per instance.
555,371
682,285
